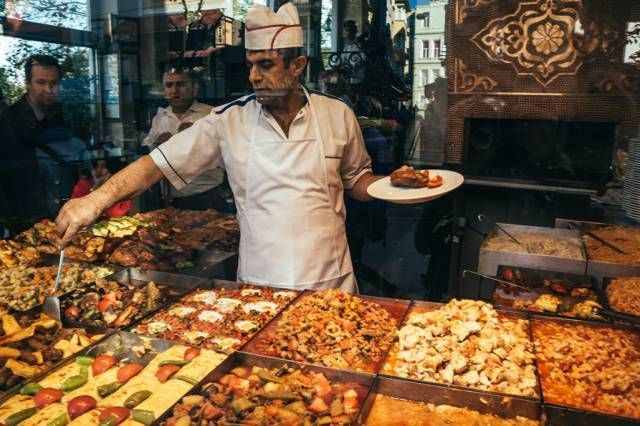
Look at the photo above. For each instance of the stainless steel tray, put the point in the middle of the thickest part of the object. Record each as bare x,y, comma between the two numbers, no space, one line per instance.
363,382
424,306
397,308
180,284
213,263
629,319
119,344
489,260
483,402
502,297
598,268
232,285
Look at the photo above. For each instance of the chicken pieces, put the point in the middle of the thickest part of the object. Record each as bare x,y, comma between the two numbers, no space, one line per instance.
466,343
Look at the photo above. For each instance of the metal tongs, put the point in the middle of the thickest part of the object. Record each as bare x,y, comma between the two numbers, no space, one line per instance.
51,306
484,219
488,277
584,231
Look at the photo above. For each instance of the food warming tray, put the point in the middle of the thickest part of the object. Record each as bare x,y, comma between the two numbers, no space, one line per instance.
424,306
616,315
362,381
213,263
598,268
486,403
558,415
397,308
534,279
180,284
489,260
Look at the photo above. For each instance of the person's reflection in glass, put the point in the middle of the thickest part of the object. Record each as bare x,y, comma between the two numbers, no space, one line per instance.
29,125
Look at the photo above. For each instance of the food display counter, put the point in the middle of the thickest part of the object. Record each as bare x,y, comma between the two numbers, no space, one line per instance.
130,346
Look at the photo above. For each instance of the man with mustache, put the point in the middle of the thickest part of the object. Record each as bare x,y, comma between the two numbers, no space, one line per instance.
289,153
180,90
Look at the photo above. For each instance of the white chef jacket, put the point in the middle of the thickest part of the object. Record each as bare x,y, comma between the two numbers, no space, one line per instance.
166,121
223,139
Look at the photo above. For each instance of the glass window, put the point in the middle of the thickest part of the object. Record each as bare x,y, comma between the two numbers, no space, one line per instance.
425,49
426,20
425,77
69,14
436,49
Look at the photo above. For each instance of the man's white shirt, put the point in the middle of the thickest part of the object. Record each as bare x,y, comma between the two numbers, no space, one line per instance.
166,121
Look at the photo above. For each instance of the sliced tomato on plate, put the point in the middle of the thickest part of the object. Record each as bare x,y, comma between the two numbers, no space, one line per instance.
191,353
80,405
114,415
102,363
47,396
127,371
165,372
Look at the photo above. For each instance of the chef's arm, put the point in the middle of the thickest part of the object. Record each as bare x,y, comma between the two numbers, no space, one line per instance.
127,183
359,190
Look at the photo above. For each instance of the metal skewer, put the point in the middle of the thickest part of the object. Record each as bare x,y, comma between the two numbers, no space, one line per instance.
477,274
595,237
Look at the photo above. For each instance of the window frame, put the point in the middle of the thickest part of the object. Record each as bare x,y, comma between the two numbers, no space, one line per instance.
426,49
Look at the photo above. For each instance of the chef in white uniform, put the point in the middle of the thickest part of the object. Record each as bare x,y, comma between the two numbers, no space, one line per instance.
290,155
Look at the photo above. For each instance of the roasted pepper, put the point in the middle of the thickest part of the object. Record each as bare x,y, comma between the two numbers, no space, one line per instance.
30,389
84,360
20,416
61,420
74,382
108,389
136,398
145,417
187,379
179,362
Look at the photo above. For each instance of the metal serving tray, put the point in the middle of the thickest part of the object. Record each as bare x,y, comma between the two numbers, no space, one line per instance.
424,306
629,319
397,308
483,402
598,268
489,260
530,279
362,382
119,344
231,285
213,263
559,415
181,284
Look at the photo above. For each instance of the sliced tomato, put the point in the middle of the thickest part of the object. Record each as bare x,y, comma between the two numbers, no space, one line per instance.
102,363
127,371
165,372
72,312
106,301
191,353
47,396
80,405
115,415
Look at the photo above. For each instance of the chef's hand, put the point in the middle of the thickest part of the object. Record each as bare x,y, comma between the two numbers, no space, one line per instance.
184,126
74,215
163,137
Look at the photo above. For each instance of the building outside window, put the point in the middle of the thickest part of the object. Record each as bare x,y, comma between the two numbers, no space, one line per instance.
437,49
426,20
425,49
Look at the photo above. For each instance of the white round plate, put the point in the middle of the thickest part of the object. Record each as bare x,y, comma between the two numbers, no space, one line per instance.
383,190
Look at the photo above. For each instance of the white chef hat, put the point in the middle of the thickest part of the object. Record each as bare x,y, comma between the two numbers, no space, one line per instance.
267,30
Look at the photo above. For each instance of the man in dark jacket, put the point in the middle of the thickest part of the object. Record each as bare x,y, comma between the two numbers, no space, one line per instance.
30,124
